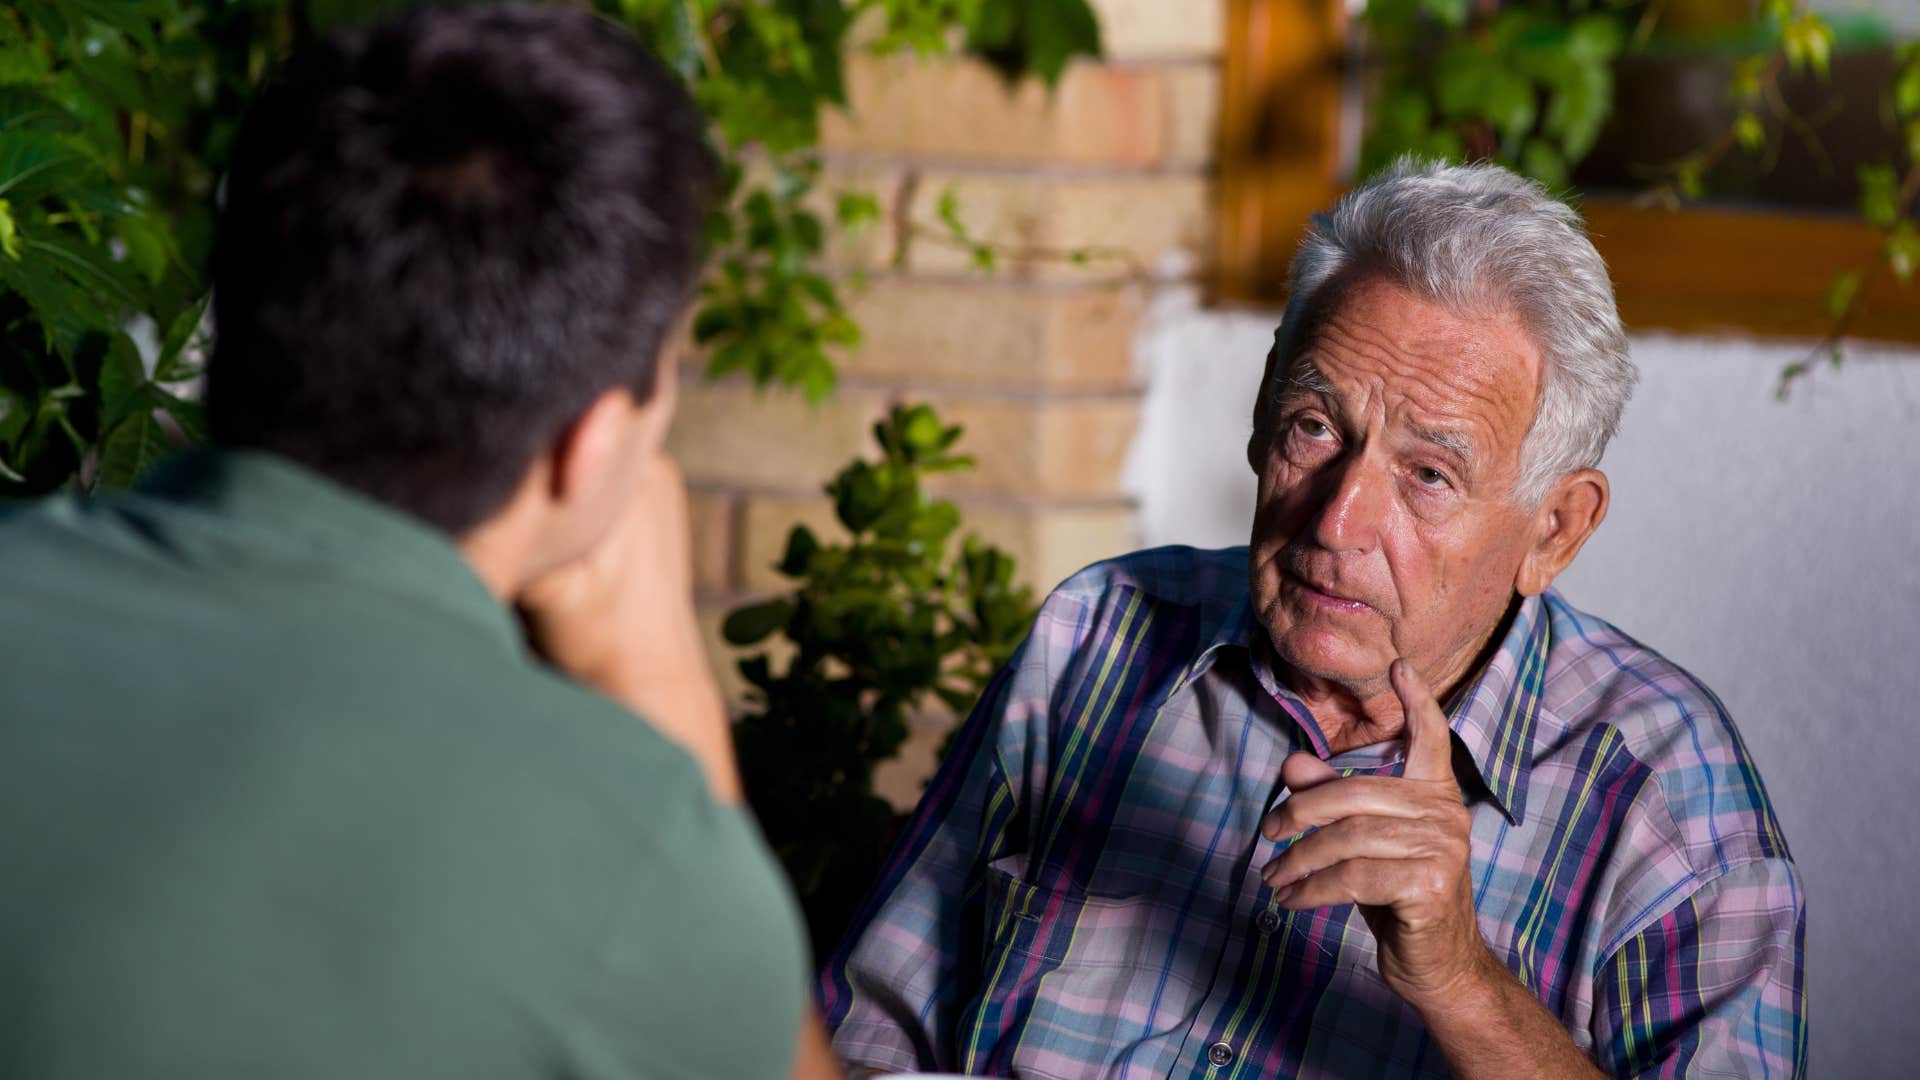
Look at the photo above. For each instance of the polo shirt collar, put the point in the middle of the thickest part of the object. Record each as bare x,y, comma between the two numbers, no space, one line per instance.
1493,714
269,510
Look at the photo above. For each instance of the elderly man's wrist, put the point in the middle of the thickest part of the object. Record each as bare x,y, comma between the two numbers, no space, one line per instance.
1472,993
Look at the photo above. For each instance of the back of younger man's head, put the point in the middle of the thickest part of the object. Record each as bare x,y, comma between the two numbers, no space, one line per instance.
444,236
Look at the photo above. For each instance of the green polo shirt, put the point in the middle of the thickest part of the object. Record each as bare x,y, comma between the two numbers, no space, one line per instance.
283,795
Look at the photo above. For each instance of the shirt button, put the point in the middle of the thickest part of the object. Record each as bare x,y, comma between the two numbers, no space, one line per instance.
1220,1055
1268,921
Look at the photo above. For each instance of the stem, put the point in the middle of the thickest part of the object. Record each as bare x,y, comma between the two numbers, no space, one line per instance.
1136,270
1830,344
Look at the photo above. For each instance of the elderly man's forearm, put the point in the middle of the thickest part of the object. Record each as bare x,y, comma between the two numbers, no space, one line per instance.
1493,1028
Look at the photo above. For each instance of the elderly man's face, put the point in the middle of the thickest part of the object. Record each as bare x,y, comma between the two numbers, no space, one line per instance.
1386,524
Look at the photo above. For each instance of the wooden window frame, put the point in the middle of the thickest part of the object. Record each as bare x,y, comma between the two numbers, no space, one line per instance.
1697,269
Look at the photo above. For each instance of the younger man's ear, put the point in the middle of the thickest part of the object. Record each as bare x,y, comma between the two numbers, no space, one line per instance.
1575,507
592,452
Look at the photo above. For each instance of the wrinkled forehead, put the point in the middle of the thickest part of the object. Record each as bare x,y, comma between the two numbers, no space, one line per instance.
1380,340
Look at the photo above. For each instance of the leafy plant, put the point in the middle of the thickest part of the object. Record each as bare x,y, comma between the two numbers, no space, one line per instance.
881,626
1529,84
116,117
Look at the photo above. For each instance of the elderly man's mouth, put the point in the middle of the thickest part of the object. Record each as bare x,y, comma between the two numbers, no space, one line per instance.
1327,600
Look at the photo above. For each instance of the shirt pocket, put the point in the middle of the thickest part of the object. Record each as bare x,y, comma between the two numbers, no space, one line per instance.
1056,967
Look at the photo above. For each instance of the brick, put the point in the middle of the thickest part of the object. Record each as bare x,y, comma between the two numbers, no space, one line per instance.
996,334
1068,539
1126,224
727,434
1193,115
908,105
1040,448
1161,29
710,514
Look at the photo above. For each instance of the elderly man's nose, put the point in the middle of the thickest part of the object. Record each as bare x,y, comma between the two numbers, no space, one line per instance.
1350,513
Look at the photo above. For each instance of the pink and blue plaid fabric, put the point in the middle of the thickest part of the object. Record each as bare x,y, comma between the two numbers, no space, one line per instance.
1079,893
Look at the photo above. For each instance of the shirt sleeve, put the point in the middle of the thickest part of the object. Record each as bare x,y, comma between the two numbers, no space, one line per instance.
1715,987
893,991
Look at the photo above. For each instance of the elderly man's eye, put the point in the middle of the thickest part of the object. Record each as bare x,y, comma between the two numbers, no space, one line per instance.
1430,477
1313,429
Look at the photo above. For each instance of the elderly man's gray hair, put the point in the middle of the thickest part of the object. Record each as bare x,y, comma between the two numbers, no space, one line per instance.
1481,240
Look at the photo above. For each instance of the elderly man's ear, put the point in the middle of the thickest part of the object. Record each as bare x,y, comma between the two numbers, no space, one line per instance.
1566,517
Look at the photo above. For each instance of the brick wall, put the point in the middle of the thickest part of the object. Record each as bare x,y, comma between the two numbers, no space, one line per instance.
1035,358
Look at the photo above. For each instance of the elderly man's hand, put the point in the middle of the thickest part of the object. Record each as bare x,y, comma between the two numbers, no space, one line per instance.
1396,847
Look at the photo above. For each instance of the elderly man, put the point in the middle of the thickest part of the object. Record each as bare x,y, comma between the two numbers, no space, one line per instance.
1366,798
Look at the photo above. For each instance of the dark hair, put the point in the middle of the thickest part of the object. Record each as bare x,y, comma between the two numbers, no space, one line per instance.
444,236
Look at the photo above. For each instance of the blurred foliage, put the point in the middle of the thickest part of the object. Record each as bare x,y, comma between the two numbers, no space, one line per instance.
115,122
114,118
1529,83
878,628
1528,86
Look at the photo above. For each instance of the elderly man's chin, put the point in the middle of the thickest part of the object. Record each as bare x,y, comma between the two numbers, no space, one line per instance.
1332,648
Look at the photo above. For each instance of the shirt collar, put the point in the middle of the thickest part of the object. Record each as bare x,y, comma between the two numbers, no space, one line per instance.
270,510
1493,714
1496,712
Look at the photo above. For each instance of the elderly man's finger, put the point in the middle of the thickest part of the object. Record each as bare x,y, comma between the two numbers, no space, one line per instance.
1381,796
1429,741
1304,772
1375,882
1360,838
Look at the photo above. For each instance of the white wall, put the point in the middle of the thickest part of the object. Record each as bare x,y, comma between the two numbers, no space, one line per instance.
1771,548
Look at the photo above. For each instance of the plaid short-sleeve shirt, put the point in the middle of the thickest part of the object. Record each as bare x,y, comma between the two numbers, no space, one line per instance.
1079,893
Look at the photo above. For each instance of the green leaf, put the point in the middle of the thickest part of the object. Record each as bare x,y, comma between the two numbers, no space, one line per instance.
130,450
1543,162
1578,106
1903,250
1808,42
713,321
9,232
169,366
840,330
856,210
754,623
1687,177
1841,292
1449,13
123,382
801,546
920,429
37,163
1906,89
1748,131
146,244
947,208
1595,39
1879,195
